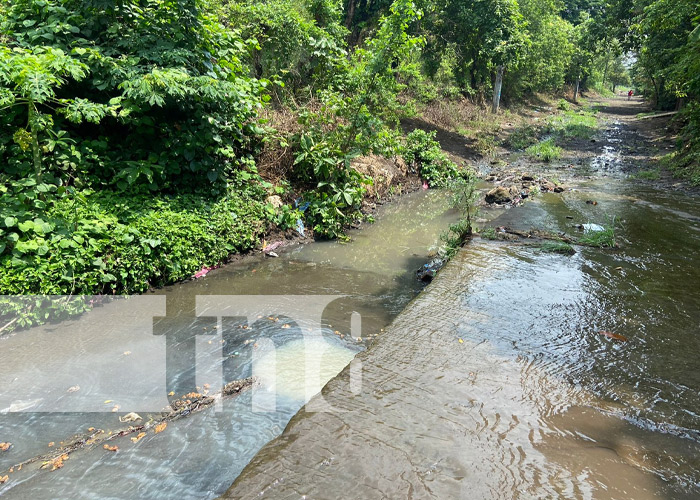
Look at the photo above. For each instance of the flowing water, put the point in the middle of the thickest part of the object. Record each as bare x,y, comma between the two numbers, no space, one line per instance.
496,382
59,380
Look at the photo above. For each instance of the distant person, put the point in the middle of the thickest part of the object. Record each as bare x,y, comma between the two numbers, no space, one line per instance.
630,94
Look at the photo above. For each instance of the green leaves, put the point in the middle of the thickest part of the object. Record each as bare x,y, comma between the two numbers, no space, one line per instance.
98,243
423,154
35,74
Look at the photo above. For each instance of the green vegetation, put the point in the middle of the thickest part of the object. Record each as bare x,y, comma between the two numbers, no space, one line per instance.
422,152
559,247
666,41
545,150
103,243
465,198
651,175
488,233
574,124
600,239
522,137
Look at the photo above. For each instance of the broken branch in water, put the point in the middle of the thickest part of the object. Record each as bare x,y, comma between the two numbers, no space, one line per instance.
180,408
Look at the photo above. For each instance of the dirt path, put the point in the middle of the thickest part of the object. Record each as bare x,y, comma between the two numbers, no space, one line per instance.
639,138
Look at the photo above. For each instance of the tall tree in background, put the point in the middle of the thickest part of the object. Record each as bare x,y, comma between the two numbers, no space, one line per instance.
482,34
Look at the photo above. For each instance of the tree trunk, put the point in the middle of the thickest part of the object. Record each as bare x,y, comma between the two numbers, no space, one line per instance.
350,14
605,73
34,128
578,82
497,90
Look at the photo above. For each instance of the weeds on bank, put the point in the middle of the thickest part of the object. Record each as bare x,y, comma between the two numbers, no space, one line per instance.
523,137
545,150
464,199
650,175
684,165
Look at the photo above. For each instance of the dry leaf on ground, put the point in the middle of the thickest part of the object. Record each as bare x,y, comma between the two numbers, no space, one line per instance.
138,437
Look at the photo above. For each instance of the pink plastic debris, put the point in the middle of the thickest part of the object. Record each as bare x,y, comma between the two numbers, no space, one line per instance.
202,272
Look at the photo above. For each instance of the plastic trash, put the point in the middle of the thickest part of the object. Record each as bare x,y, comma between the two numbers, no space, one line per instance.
592,228
300,228
301,206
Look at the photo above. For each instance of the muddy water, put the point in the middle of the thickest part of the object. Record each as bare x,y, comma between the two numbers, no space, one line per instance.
61,379
496,383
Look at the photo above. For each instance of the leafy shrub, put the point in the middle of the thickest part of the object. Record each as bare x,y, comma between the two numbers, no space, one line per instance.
563,105
338,189
423,153
88,243
163,88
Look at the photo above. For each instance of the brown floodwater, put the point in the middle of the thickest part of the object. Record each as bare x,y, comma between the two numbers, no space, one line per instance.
496,381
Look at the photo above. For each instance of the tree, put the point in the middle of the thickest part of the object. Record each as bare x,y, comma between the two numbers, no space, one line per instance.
185,102
483,34
544,63
618,73
30,78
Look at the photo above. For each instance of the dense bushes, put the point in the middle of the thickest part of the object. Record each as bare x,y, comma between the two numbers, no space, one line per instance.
88,242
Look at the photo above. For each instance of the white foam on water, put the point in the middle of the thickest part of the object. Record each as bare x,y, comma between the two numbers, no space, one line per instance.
300,368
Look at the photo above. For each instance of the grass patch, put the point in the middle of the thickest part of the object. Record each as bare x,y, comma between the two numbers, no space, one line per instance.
600,239
559,247
523,137
650,175
545,150
488,233
574,124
